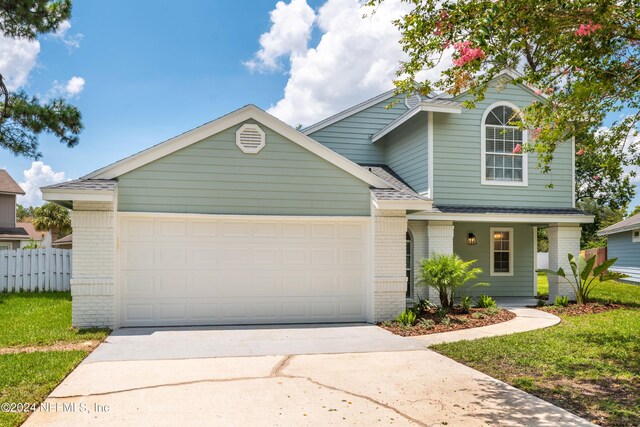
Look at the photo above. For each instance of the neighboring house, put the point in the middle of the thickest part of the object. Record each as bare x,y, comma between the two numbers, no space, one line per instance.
247,220
15,235
42,238
65,242
623,242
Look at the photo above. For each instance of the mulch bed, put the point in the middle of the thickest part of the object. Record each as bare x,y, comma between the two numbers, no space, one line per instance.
574,309
459,320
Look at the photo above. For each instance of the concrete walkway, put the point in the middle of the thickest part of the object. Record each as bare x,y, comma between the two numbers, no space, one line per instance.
528,319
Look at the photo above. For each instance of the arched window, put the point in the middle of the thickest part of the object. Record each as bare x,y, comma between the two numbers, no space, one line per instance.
409,264
503,162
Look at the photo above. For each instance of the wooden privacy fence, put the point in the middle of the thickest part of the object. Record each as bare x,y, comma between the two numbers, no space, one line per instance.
600,253
35,270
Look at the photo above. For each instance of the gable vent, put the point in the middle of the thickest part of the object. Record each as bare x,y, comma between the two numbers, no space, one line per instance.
412,101
250,138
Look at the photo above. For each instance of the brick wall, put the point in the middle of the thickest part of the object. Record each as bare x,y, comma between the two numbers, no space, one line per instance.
440,241
92,277
563,240
389,271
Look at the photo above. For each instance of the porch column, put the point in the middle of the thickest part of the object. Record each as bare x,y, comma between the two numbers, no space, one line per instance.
439,241
389,268
93,266
563,239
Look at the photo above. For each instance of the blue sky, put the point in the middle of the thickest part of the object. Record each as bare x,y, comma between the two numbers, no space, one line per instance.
154,69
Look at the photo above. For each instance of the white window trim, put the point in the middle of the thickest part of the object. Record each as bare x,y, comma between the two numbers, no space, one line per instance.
483,150
7,245
635,239
492,231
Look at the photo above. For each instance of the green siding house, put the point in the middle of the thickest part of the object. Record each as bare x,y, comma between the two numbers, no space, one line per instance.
245,220
623,243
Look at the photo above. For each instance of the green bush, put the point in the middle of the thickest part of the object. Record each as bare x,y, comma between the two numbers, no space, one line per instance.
406,318
447,274
562,301
465,303
485,301
492,311
541,302
442,312
423,305
427,323
446,320
478,315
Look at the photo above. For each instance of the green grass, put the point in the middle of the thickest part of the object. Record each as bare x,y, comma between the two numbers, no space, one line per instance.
587,364
30,377
30,319
621,293
36,319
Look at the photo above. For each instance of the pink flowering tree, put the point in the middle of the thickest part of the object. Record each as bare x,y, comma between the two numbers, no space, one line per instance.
582,58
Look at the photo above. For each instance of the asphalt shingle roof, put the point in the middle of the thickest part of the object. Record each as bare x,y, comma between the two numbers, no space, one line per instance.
630,223
85,184
400,190
8,185
505,210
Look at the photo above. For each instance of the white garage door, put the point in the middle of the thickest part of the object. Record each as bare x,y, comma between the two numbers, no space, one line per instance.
208,270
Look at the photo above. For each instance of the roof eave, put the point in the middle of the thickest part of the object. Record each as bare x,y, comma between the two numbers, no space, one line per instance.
506,217
409,205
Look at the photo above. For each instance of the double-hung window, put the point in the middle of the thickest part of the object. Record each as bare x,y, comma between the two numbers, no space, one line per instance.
504,162
501,251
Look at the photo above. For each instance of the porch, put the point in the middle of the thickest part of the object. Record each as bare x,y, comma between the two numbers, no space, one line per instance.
504,245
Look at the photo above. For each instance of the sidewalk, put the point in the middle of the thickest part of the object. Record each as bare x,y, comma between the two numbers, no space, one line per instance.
528,319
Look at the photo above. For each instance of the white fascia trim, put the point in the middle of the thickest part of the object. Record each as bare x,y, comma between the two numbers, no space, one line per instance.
619,230
396,123
243,217
348,112
504,218
483,150
424,106
430,154
246,113
78,195
411,205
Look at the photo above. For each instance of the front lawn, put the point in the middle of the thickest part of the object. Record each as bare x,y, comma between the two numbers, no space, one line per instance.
35,319
33,328
588,364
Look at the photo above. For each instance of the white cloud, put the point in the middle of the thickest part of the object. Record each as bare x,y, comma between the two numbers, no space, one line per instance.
289,34
71,89
74,85
71,41
17,59
356,58
38,175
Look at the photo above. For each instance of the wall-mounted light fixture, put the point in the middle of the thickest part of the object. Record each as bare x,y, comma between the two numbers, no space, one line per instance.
471,239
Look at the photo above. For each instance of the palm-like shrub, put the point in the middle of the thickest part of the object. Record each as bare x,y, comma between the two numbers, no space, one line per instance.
585,275
447,274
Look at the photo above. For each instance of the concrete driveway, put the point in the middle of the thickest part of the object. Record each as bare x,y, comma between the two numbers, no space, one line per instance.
285,376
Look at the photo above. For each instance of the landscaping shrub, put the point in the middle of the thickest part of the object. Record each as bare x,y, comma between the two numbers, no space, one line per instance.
493,310
465,303
485,301
585,276
423,305
442,312
541,302
427,323
562,301
407,318
447,274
